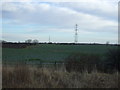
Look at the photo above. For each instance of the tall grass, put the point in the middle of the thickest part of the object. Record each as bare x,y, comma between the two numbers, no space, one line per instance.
22,76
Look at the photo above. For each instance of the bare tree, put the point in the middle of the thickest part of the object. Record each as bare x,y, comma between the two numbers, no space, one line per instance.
3,41
28,41
107,43
35,41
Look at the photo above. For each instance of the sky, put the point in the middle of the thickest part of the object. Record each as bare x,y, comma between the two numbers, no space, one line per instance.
29,19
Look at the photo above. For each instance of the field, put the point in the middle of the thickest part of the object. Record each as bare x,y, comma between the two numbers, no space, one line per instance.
86,66
49,53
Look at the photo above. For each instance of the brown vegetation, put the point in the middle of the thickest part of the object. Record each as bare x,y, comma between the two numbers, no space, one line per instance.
22,76
82,61
109,63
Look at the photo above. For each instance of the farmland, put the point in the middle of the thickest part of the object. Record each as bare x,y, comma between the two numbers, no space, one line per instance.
47,53
86,66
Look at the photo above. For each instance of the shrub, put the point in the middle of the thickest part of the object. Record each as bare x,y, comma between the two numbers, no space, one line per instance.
81,62
112,61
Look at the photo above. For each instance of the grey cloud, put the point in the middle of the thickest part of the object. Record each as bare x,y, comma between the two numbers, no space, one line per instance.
47,14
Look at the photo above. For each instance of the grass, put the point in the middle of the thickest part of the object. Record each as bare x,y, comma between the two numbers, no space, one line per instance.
50,52
22,76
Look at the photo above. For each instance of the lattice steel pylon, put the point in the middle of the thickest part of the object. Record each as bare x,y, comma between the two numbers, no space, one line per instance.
76,33
49,39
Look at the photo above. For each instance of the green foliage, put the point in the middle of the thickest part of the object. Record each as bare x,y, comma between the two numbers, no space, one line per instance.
51,52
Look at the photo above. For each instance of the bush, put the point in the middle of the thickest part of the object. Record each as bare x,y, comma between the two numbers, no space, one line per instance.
81,62
112,61
108,63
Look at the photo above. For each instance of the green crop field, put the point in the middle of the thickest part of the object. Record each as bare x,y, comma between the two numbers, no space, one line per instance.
50,52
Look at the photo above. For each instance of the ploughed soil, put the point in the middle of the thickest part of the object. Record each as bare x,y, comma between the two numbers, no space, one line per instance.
16,45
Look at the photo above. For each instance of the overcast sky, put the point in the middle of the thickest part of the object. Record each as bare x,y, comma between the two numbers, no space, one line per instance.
97,20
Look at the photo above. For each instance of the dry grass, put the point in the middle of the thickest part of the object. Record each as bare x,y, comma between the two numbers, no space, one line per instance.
22,76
